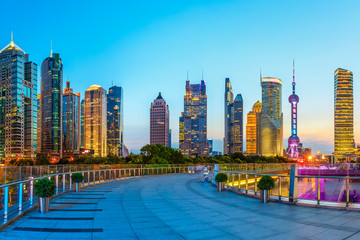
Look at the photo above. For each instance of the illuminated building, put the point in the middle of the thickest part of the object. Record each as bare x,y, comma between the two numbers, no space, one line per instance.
211,143
181,130
159,122
271,117
115,129
253,130
71,122
38,147
51,106
344,113
82,123
294,140
95,114
18,104
233,140
194,119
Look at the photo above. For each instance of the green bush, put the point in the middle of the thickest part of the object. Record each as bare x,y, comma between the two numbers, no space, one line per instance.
63,161
221,177
77,177
42,160
266,183
44,188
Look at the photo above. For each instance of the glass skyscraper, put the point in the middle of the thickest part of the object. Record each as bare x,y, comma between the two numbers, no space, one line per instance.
233,140
271,117
115,129
95,114
18,104
159,122
253,130
344,113
71,122
82,124
194,120
51,106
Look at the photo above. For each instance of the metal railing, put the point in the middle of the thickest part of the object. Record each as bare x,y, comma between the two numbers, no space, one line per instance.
18,196
329,191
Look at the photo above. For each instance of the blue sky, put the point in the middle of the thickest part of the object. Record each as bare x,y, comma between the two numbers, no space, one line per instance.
148,46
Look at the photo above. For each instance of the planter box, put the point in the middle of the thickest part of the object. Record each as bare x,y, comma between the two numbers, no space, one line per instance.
264,196
43,204
220,186
77,187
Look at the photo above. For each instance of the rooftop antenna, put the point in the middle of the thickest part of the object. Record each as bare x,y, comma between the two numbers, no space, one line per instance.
51,48
12,39
293,83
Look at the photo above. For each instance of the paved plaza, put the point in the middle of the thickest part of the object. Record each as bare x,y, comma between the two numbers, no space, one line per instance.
178,207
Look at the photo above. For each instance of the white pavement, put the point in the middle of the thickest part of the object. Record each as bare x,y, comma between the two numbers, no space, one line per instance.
178,207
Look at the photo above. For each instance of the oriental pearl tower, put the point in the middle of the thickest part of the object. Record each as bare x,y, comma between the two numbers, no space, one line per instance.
294,140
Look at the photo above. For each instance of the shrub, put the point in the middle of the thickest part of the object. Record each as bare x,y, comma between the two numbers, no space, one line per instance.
63,161
266,183
44,188
42,160
77,177
221,177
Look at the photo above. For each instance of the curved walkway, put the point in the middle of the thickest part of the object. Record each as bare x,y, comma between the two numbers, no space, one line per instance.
178,207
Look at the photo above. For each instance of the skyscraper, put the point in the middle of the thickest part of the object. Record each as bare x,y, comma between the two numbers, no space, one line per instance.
159,122
18,104
194,120
271,117
115,129
82,124
38,147
95,114
344,113
233,140
51,106
253,130
238,124
71,122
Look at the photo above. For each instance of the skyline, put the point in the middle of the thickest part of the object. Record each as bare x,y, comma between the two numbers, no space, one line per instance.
221,39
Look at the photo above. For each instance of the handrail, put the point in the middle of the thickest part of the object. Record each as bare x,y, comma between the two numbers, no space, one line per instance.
65,184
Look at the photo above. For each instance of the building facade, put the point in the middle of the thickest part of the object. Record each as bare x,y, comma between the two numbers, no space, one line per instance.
344,113
159,122
18,104
51,106
82,124
71,122
253,130
233,140
271,117
194,121
95,114
115,129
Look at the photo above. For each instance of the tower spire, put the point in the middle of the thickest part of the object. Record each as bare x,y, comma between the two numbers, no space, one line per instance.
202,74
12,39
187,75
51,48
293,83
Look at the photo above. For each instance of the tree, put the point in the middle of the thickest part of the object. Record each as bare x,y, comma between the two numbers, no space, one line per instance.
42,160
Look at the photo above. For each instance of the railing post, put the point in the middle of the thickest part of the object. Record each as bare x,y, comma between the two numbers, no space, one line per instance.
247,184
280,191
134,172
99,176
88,175
31,192
94,174
318,191
83,181
57,184
347,191
239,176
70,181
293,184
255,187
64,182
20,199
6,202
